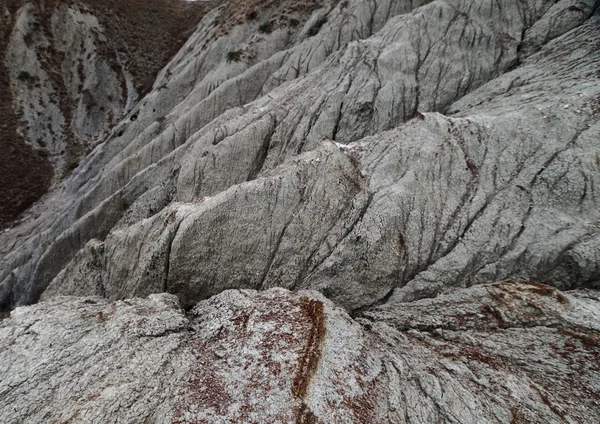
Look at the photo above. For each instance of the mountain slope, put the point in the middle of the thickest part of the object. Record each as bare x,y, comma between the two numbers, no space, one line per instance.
327,211
69,72
468,194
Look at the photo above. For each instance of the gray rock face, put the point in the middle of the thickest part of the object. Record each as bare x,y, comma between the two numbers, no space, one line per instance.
330,201
497,353
317,184
69,72
69,91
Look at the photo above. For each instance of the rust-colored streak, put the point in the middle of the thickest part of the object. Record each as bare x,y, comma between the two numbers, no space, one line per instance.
401,246
314,310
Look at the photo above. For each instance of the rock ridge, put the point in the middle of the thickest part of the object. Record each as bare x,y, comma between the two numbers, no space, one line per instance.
279,356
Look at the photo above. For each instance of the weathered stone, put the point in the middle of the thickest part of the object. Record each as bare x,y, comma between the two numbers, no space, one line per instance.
502,188
369,171
509,352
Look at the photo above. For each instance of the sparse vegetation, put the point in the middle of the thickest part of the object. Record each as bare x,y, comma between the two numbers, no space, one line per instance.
88,99
26,173
266,27
24,76
282,13
71,165
235,56
167,22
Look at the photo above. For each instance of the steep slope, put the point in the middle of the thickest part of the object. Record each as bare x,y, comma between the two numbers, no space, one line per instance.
317,215
25,172
441,201
70,72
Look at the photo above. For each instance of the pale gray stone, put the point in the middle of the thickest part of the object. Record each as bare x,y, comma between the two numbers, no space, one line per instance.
331,211
508,352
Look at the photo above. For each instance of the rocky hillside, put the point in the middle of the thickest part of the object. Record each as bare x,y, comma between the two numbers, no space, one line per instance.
70,71
476,356
327,193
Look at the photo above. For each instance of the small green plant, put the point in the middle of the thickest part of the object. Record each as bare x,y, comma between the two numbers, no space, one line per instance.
235,56
24,76
266,27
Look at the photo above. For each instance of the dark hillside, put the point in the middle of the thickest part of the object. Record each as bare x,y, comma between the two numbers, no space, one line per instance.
141,36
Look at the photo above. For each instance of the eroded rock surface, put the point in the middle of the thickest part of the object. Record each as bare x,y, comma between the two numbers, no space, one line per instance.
69,72
318,184
508,352
329,188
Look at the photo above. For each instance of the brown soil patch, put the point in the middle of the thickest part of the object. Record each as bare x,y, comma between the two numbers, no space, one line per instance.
146,34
